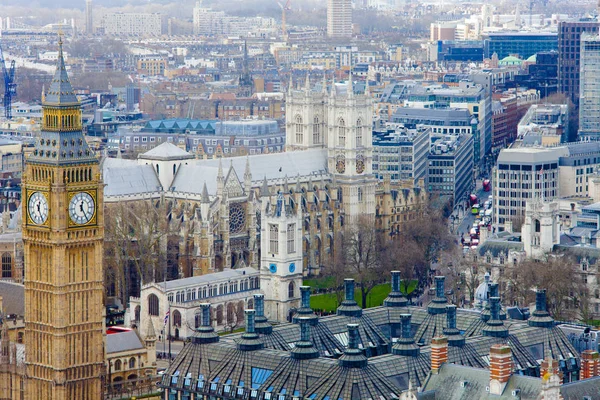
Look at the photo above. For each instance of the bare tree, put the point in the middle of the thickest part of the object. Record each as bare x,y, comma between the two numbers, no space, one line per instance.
565,287
136,236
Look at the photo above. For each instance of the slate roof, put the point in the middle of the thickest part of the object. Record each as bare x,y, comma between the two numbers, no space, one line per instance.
123,341
166,151
129,180
210,278
447,384
495,247
13,298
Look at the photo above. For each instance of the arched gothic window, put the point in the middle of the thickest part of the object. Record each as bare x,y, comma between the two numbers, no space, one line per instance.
299,130
153,305
118,365
176,318
341,132
291,290
316,131
132,363
359,133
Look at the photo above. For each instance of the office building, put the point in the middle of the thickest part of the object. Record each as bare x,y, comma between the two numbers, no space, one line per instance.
450,166
89,17
465,95
522,44
401,153
544,124
589,92
569,49
523,174
132,24
339,18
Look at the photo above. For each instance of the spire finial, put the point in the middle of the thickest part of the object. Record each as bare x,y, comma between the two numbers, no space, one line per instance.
307,82
350,85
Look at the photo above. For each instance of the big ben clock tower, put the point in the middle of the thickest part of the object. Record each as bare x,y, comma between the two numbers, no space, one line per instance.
63,237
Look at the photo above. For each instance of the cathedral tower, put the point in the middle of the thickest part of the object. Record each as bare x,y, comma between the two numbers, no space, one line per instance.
63,238
281,258
350,148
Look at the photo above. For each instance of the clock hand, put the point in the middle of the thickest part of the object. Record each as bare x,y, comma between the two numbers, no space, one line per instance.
81,207
38,206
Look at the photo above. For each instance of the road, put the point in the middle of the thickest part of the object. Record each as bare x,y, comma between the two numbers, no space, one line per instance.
467,222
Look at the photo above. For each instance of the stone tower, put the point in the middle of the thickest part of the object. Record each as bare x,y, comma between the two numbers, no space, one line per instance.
350,149
541,230
63,239
281,258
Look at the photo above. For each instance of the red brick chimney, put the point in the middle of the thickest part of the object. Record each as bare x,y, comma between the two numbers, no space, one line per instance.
500,367
590,364
439,353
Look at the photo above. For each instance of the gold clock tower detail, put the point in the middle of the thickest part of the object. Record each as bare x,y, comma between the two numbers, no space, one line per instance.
63,238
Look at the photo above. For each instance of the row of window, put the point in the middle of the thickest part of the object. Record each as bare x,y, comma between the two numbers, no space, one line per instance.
274,238
208,291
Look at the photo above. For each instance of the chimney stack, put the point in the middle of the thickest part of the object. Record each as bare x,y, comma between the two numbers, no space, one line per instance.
349,308
395,298
500,367
439,353
262,324
540,317
250,340
305,311
590,364
205,333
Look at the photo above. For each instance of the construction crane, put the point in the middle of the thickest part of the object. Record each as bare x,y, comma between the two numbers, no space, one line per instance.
10,86
284,9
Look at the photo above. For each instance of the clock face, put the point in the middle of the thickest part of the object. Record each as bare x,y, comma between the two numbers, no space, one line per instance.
38,208
82,208
340,164
292,268
273,268
360,164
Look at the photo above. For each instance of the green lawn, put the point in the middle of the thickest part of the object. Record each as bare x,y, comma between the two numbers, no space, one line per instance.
328,302
320,283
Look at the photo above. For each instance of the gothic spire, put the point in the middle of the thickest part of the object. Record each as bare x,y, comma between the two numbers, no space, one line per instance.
307,82
264,191
205,198
61,92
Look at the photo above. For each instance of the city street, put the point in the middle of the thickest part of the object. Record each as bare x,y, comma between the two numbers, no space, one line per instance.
467,222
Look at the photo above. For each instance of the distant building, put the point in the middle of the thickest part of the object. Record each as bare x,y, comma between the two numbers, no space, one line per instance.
544,124
339,18
569,50
205,138
589,92
523,44
89,17
450,166
401,154
152,66
132,24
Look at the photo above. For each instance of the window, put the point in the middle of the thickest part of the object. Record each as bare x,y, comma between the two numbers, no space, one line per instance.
176,318
131,363
153,305
299,130
537,226
316,131
291,290
359,133
291,238
341,132
273,239
360,195
118,365
6,265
